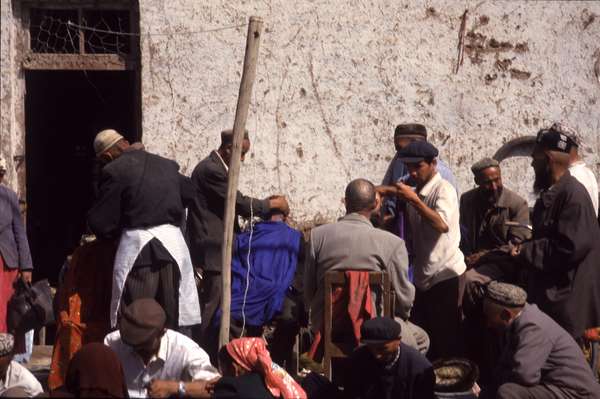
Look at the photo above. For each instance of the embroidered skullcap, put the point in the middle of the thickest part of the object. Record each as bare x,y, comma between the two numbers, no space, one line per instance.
555,139
411,129
484,164
568,131
106,139
7,343
507,295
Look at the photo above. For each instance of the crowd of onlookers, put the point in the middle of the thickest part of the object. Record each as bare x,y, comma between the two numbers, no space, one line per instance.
487,298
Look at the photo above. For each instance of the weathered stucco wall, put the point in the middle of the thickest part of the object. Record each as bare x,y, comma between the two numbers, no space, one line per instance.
335,77
11,95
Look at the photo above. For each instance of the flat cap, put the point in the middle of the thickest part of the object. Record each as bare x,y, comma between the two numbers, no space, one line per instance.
7,343
106,139
505,294
379,330
417,151
484,164
411,129
555,138
141,320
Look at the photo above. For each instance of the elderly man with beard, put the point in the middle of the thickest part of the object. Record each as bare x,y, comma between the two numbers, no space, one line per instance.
485,210
562,257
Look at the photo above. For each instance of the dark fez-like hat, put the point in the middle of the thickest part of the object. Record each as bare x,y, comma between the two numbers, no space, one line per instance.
555,139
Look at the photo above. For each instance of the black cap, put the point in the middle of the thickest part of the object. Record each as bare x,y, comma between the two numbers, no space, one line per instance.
411,129
554,139
140,321
417,151
379,330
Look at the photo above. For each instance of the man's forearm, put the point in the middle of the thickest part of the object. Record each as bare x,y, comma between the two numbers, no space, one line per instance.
434,218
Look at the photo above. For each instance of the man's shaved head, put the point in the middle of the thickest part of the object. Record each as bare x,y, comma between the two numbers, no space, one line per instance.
360,196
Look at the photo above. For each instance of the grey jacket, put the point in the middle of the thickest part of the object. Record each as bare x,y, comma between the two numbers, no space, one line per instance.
354,244
14,247
539,351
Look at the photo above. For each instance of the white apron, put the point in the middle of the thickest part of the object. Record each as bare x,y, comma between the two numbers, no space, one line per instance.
131,244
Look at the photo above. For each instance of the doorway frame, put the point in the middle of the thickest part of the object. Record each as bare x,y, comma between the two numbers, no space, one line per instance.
27,60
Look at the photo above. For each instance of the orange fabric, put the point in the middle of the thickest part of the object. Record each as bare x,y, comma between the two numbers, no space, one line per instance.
83,302
351,306
252,355
592,334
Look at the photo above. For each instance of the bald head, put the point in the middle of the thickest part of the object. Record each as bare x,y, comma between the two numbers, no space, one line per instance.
360,196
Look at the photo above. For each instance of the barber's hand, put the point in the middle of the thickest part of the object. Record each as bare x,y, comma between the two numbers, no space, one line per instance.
163,389
26,276
473,259
386,191
406,193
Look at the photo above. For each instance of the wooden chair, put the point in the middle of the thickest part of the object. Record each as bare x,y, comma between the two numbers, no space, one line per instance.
335,279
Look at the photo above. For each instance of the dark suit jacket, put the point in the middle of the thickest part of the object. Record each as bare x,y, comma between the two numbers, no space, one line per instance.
564,277
205,224
411,377
139,190
539,351
14,247
483,225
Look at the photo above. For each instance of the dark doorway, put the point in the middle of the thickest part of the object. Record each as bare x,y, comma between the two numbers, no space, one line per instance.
63,112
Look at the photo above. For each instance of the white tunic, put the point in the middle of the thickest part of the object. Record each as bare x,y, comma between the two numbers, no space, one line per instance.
130,246
586,177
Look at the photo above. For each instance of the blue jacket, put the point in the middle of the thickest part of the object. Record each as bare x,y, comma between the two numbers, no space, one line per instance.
14,247
274,254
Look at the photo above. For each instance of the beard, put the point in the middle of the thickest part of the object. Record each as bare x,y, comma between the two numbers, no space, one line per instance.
543,179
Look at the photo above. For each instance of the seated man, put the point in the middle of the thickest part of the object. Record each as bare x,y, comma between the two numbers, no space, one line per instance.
158,362
12,374
263,268
384,367
354,244
485,210
540,359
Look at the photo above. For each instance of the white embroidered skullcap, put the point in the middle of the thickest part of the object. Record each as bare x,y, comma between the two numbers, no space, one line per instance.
106,139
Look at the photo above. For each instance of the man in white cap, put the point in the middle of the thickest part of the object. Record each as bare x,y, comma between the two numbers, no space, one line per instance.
12,374
141,201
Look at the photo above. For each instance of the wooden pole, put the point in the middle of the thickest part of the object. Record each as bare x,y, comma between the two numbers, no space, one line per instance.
239,125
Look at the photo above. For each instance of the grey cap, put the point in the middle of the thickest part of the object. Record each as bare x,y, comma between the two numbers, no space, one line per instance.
484,164
507,295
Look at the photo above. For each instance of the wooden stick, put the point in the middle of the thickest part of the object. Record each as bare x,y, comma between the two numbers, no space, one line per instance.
239,125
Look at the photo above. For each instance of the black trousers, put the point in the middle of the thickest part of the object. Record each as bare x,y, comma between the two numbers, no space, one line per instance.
207,336
159,281
437,312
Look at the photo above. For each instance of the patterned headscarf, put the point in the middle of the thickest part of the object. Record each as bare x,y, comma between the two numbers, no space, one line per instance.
7,343
252,355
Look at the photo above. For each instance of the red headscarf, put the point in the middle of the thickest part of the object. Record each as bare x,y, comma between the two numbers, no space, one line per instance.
252,355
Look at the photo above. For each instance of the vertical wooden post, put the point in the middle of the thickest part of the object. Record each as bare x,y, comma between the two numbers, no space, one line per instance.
239,125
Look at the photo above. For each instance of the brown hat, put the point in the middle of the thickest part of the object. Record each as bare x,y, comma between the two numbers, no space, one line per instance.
411,130
140,321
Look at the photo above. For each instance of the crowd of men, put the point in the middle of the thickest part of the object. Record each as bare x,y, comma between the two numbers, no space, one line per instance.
477,280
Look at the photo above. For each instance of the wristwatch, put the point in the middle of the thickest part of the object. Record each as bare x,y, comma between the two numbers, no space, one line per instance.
181,389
